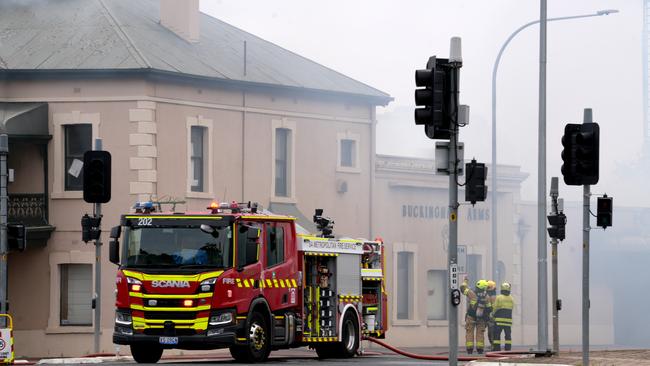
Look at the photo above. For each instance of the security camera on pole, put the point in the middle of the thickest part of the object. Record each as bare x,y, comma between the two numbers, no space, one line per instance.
441,117
97,190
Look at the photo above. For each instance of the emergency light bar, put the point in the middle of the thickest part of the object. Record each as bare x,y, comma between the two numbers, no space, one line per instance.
234,207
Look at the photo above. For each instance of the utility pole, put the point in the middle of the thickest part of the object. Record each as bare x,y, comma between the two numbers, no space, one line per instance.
586,195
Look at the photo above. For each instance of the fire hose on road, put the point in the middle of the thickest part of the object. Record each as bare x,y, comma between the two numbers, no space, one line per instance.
496,354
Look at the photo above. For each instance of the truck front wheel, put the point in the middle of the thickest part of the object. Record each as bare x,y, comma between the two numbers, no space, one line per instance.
146,353
349,337
259,338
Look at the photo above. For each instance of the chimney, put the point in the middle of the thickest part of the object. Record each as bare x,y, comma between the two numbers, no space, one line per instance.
181,17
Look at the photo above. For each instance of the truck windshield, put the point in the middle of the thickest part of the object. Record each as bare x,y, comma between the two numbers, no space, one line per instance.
178,247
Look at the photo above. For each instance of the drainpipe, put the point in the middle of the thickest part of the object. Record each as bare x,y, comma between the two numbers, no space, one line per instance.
373,157
4,151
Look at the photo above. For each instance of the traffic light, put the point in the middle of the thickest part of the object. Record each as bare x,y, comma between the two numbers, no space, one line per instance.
604,207
580,154
90,228
97,176
475,188
558,226
17,237
435,98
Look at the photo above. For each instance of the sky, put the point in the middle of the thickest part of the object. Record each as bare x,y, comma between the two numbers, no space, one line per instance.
591,63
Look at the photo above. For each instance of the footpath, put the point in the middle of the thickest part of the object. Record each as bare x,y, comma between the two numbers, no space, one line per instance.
568,357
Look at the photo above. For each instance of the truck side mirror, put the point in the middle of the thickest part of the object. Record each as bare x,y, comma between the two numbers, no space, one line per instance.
247,246
116,231
253,233
114,251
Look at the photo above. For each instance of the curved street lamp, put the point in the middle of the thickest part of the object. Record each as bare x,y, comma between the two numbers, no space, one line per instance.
493,195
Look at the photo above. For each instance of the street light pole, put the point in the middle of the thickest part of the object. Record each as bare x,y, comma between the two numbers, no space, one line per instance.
493,195
542,253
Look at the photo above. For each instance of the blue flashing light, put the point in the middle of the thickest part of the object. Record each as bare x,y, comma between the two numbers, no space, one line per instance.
146,205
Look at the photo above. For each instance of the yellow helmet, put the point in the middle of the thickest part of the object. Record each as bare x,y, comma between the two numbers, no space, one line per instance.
481,284
491,285
505,286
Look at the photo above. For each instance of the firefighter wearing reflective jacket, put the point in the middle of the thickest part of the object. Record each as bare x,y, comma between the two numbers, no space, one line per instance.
492,296
502,315
477,315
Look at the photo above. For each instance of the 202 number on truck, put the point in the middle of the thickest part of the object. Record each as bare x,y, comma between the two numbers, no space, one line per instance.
240,278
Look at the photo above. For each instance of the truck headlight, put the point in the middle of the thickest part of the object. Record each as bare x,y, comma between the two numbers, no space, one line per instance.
123,318
221,319
136,285
208,285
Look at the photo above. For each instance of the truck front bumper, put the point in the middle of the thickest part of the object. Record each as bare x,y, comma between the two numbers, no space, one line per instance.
227,336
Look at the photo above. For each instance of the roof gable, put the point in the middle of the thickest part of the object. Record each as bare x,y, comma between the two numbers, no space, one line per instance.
127,35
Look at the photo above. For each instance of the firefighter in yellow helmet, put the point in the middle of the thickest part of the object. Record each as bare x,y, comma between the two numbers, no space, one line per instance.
477,313
492,295
502,315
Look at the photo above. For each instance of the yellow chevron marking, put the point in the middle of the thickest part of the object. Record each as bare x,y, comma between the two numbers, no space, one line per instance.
269,283
282,283
246,284
238,280
275,283
293,282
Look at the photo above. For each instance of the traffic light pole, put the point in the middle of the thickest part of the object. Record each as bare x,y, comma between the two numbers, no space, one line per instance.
452,252
588,118
554,290
98,270
4,151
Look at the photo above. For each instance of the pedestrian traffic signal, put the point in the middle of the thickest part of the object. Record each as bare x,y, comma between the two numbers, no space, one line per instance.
435,98
580,155
17,237
558,226
604,207
475,188
97,176
90,228
455,297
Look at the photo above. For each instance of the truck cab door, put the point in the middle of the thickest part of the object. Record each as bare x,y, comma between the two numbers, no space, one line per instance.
248,265
280,266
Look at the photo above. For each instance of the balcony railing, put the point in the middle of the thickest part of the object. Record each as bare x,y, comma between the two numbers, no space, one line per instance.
28,208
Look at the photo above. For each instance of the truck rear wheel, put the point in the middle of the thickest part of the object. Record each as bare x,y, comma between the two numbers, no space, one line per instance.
349,337
146,352
259,338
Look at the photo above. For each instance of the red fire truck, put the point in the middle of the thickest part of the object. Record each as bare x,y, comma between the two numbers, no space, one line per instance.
243,278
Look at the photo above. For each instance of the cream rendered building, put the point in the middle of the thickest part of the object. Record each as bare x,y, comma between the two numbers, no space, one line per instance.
191,109
412,204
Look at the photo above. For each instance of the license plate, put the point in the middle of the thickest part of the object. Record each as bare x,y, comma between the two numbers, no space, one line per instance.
168,340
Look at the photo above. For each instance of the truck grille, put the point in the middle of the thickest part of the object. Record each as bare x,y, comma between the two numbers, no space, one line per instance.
170,315
163,332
